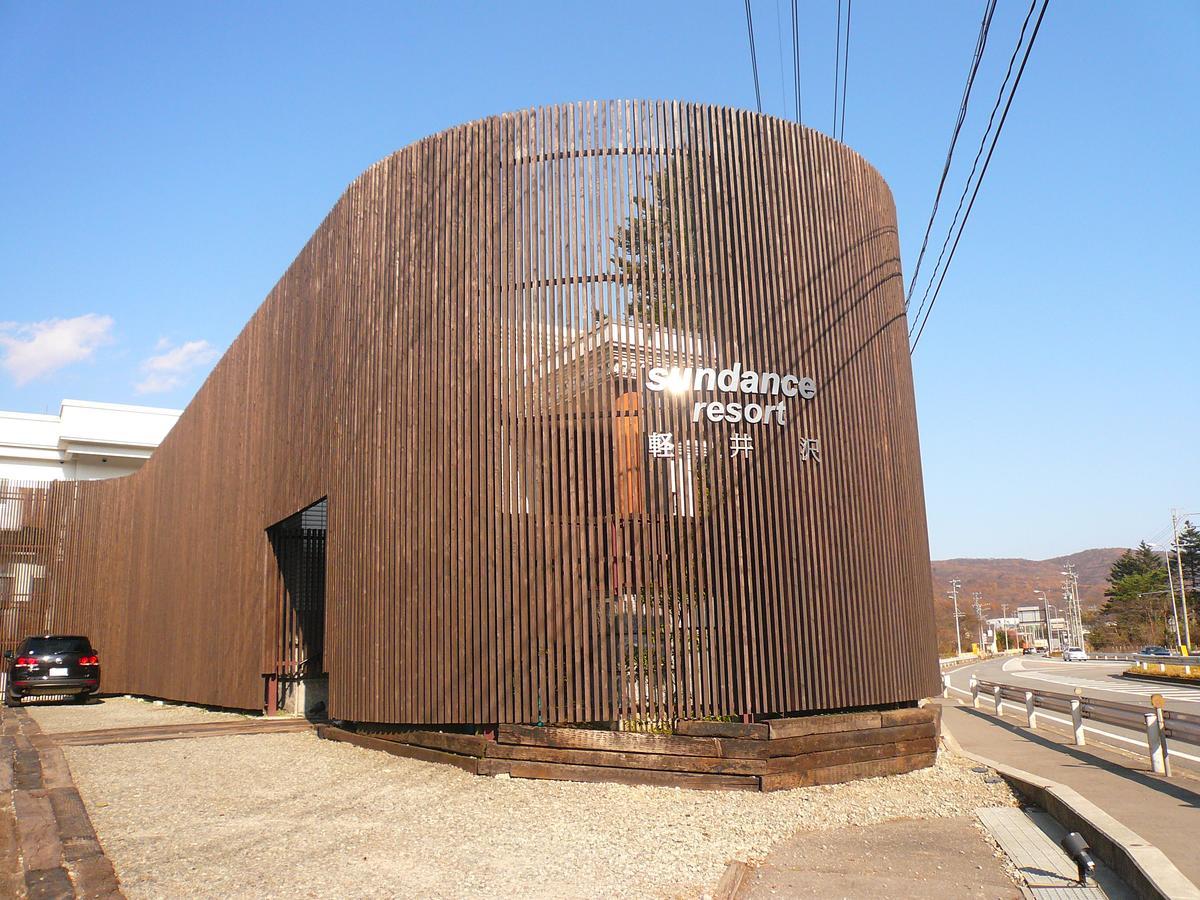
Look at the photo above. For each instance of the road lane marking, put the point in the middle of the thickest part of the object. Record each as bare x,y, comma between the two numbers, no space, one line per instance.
1186,694
1171,751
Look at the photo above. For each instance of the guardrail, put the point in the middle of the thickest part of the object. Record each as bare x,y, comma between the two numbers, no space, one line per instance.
950,662
1160,663
1159,723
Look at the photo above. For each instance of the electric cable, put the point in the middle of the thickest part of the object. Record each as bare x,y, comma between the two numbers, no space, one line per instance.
974,164
796,61
845,69
980,43
753,57
779,48
837,69
999,128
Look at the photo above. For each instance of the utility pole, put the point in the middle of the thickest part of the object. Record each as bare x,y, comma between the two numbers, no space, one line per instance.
1046,613
955,584
979,608
1074,609
1174,608
1187,627
1004,624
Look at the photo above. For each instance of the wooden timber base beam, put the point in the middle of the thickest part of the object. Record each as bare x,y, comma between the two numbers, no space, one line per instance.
765,756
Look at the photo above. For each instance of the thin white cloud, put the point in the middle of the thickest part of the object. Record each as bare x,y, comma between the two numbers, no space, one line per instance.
33,350
167,370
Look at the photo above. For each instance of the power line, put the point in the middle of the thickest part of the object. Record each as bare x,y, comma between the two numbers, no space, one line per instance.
753,57
975,163
779,47
980,43
796,60
845,68
996,137
837,69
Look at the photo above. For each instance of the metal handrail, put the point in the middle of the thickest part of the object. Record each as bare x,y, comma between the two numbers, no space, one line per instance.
1159,723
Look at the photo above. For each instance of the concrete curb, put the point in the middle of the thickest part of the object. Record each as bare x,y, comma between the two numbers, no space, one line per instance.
1137,862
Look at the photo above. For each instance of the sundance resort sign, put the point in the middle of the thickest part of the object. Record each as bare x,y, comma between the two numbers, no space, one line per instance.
734,381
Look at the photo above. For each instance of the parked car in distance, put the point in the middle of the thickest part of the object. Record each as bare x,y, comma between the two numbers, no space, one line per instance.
1030,651
1154,651
1075,654
52,664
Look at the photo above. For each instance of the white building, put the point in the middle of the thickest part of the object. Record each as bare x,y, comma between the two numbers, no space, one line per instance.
84,441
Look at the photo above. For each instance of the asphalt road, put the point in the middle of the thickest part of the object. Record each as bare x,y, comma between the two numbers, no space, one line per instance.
1100,681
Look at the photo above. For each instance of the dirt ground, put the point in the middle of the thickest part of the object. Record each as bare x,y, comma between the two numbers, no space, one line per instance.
291,815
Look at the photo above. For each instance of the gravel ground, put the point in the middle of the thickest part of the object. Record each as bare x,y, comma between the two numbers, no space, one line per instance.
56,716
292,815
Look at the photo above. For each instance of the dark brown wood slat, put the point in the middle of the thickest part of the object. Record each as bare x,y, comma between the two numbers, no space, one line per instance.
715,765
839,740
395,748
178,732
455,361
895,765
910,715
794,727
753,731
466,744
561,772
592,739
820,759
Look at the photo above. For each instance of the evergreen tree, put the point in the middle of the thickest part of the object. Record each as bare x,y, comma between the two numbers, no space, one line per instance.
1189,550
668,246
1137,607
1135,562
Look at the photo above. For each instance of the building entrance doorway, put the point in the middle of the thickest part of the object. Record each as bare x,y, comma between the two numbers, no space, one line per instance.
299,682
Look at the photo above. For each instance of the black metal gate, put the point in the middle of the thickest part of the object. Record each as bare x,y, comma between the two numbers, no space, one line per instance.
299,546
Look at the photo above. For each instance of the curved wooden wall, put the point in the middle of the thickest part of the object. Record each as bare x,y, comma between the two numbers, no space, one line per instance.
457,360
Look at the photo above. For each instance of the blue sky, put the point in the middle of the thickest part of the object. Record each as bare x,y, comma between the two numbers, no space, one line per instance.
162,164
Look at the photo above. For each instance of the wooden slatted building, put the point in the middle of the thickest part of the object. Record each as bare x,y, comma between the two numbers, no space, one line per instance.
508,522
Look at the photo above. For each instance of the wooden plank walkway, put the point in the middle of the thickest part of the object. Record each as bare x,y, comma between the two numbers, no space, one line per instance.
141,733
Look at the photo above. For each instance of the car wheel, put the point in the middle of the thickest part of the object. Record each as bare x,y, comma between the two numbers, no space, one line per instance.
83,698
11,699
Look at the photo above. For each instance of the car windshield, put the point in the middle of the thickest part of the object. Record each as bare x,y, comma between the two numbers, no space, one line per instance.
52,646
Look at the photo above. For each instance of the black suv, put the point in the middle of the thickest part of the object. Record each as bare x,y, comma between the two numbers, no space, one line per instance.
52,664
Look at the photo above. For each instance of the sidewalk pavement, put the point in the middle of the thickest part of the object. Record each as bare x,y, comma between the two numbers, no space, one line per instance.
908,859
1166,812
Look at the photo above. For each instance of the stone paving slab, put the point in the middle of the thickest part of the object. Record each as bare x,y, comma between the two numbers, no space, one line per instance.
48,847
908,859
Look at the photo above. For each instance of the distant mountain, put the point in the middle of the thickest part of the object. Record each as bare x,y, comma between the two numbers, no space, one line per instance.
1012,582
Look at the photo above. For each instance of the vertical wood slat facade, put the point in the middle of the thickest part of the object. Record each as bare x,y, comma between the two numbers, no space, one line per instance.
457,361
